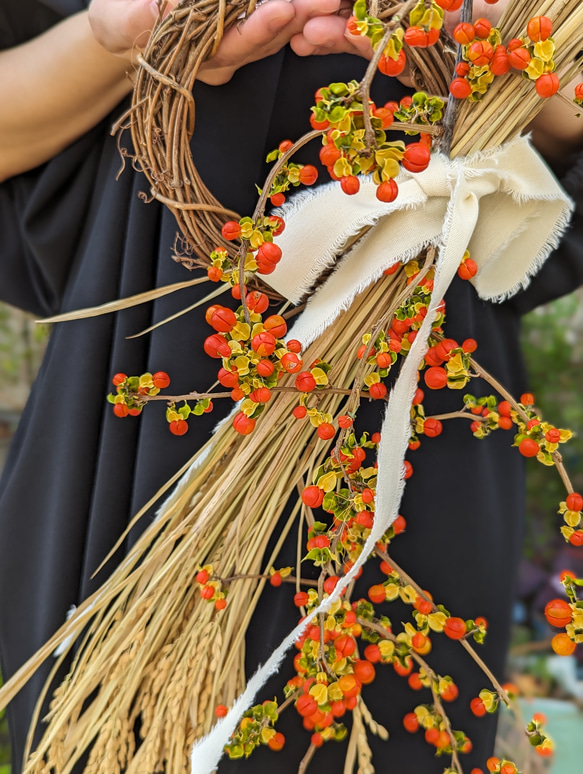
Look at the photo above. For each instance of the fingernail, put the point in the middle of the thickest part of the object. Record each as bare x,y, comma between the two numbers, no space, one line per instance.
279,22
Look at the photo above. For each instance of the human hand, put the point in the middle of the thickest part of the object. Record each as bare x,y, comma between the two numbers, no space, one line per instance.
312,26
122,27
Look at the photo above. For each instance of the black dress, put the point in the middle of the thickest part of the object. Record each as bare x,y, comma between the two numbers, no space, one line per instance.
70,237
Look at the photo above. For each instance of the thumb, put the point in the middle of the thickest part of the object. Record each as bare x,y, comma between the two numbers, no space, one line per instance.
163,6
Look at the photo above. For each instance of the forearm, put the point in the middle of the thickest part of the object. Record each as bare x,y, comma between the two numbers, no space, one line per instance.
53,89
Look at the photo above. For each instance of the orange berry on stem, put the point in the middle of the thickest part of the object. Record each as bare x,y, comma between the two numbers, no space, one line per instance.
450,5
460,88
308,174
416,158
478,707
276,742
120,410
528,447
563,645
257,301
539,28
432,428
312,496
393,67
464,34
377,390
318,125
231,230
178,427
467,269
403,669
263,343
415,681
305,382
291,362
220,604
387,192
558,613
436,377
492,763
221,710
329,154
454,628
411,723
376,594
372,653
480,53
431,735
519,58
216,346
574,501
350,184
243,424
276,325
276,579
119,379
547,85
326,431
500,63
483,28
364,671
450,693
277,199
300,412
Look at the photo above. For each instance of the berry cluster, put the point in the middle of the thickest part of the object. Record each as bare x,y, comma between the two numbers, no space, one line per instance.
254,355
262,254
290,174
131,391
484,57
570,510
567,615
339,110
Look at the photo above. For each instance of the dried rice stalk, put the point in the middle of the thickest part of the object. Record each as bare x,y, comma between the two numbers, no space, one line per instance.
140,660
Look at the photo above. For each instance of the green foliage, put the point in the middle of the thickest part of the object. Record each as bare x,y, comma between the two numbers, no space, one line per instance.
552,341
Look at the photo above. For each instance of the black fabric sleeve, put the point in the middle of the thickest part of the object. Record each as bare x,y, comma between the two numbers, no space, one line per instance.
42,212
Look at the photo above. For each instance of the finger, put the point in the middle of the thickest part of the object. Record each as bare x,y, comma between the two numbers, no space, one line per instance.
263,28
328,35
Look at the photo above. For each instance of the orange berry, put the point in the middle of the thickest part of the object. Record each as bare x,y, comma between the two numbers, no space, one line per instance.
563,645
221,710
558,613
178,427
276,742
454,628
574,501
478,707
243,424
528,447
312,496
539,28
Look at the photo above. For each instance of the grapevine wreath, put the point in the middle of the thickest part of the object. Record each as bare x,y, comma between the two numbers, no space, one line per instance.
160,646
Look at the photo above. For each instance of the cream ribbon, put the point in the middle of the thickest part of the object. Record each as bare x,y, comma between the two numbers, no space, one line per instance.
504,205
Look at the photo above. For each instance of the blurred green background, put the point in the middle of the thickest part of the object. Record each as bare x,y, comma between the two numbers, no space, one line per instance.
553,346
